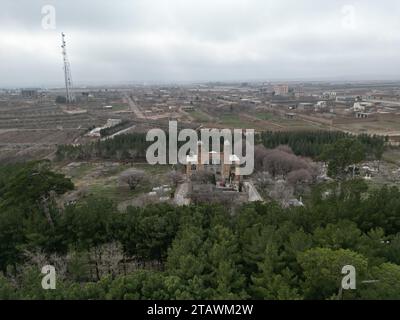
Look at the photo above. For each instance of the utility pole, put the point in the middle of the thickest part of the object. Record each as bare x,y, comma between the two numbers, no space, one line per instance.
67,72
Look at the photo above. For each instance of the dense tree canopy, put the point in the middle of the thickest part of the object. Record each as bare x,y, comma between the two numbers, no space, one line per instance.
203,251
341,154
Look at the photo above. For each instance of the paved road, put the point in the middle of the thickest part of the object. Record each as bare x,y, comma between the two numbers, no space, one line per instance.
181,194
134,108
119,133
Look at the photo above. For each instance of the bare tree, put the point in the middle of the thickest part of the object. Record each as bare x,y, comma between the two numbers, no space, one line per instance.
278,162
107,258
260,153
281,192
301,176
132,178
263,179
39,259
284,148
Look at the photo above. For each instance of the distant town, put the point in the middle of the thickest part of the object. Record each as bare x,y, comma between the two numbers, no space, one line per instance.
39,118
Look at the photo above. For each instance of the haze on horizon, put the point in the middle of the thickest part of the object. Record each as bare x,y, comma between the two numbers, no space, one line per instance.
200,40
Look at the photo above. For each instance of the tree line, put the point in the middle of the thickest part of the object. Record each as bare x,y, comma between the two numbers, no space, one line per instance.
312,143
133,146
130,147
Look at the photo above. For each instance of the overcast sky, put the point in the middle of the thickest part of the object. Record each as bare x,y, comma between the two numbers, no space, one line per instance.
199,40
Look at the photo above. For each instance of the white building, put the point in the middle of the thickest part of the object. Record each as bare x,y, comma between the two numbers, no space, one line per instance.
281,89
321,105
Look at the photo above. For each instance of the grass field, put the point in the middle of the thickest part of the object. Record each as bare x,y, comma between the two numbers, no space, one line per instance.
392,155
199,116
234,120
273,121
112,190
259,121
101,179
264,115
120,107
372,127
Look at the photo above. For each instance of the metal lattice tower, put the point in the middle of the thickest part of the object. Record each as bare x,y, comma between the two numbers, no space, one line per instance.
67,72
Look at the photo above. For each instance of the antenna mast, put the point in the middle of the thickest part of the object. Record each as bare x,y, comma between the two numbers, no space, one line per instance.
67,72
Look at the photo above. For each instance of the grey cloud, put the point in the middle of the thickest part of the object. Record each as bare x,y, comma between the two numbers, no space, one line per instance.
158,40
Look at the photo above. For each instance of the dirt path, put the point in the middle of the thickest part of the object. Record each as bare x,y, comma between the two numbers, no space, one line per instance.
266,122
134,107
